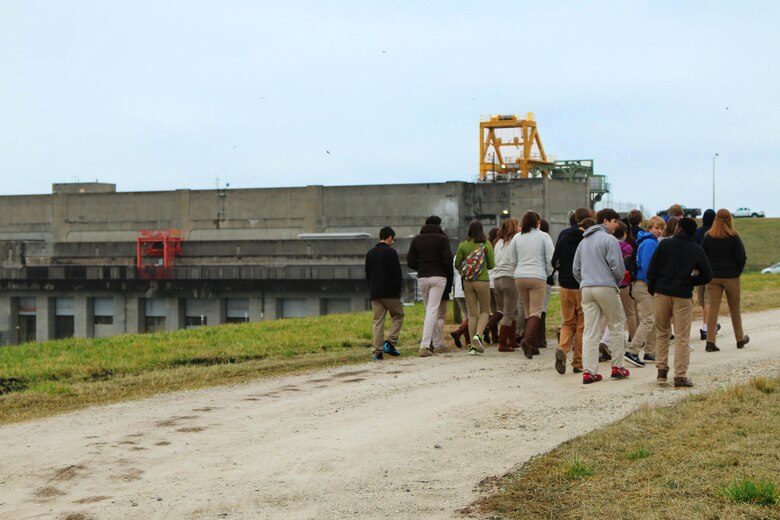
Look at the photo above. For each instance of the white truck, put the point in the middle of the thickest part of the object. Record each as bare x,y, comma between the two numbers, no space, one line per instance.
747,212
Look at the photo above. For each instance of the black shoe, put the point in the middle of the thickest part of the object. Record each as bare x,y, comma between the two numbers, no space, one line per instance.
633,359
711,347
604,353
682,382
662,374
576,370
703,334
560,361
649,358
745,339
456,338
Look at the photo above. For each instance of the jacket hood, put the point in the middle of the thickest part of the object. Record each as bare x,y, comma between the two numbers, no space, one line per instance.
708,218
643,235
594,229
574,236
432,228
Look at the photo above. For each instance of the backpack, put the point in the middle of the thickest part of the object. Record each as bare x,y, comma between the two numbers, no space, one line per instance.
472,266
632,266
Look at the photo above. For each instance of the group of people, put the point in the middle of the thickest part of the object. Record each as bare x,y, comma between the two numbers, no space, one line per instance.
616,278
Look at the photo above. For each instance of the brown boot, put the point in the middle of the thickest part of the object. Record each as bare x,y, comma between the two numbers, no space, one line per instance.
493,326
543,331
504,332
529,346
512,339
460,331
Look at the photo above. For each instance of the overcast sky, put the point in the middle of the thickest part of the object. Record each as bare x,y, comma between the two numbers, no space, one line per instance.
163,95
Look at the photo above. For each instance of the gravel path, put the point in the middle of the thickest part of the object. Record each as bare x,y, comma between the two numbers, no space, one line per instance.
405,438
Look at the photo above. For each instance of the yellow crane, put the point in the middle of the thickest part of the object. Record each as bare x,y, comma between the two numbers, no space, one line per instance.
525,154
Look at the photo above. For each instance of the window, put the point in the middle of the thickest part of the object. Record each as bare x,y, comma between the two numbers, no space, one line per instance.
236,310
103,311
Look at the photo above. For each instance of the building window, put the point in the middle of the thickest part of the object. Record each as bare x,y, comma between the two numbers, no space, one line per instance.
236,310
27,320
64,322
103,311
154,314
291,308
193,322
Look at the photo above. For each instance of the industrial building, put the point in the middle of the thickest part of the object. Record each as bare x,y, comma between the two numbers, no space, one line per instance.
87,261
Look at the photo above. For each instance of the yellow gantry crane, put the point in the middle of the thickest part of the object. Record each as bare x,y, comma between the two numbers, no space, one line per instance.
496,134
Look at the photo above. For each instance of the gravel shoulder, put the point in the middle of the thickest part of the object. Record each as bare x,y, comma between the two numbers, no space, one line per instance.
405,438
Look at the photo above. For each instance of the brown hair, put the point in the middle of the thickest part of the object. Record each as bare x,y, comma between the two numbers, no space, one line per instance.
722,225
581,214
634,217
620,230
587,222
508,230
671,227
475,232
606,214
493,235
530,221
675,210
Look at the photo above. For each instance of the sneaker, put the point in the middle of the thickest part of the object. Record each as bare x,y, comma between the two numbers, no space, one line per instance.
390,349
576,370
649,358
604,353
377,357
588,378
703,334
633,359
472,351
620,373
711,347
476,343
662,373
745,339
560,361
682,382
424,352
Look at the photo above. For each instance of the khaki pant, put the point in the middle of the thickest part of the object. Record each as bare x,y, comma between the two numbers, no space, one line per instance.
432,288
478,303
573,324
531,293
506,293
380,307
716,288
628,309
645,331
668,309
602,303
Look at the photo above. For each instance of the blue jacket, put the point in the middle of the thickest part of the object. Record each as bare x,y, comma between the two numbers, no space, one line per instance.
646,243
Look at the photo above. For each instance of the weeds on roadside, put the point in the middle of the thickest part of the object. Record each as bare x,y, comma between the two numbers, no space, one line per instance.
640,453
577,469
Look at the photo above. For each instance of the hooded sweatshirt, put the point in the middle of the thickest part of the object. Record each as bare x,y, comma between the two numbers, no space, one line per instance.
430,254
706,223
646,244
598,261
563,258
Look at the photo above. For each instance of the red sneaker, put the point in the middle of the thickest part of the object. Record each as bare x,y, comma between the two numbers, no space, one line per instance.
588,378
620,373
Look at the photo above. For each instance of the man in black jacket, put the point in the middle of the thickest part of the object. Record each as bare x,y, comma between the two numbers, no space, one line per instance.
383,276
676,266
431,256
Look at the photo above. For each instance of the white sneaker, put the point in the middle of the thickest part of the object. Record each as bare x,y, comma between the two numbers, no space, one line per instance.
476,342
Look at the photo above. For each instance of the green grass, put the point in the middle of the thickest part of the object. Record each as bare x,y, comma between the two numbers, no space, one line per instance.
761,237
714,455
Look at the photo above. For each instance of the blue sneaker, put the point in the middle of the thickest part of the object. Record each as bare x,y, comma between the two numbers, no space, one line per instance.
377,357
390,349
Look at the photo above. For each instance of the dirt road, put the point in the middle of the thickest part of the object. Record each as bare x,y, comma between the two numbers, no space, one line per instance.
405,438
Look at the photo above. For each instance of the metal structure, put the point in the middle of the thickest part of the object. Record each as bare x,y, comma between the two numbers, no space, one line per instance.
162,247
510,148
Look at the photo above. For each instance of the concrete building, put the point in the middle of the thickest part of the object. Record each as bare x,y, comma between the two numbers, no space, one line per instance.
68,264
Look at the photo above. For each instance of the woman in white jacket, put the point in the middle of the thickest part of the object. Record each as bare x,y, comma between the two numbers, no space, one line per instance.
504,283
531,256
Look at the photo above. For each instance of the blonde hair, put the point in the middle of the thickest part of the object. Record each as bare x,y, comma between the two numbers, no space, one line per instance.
656,221
722,225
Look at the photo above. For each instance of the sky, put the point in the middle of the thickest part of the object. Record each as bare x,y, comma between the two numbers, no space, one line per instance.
164,95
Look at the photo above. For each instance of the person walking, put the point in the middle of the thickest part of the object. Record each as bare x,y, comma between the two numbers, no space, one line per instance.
702,295
573,323
384,280
644,337
431,256
460,299
504,283
621,233
531,255
670,280
476,287
599,267
726,253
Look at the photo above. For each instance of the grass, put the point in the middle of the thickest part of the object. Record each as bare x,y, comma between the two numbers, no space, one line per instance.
761,237
713,455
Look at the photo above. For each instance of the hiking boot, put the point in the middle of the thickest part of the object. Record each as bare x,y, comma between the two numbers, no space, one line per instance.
476,342
377,357
662,373
472,351
576,370
588,378
745,340
620,373
390,349
560,361
682,382
711,347
633,359
424,352
604,353
649,358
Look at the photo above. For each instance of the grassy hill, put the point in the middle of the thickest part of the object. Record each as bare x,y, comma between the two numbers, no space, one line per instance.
761,237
